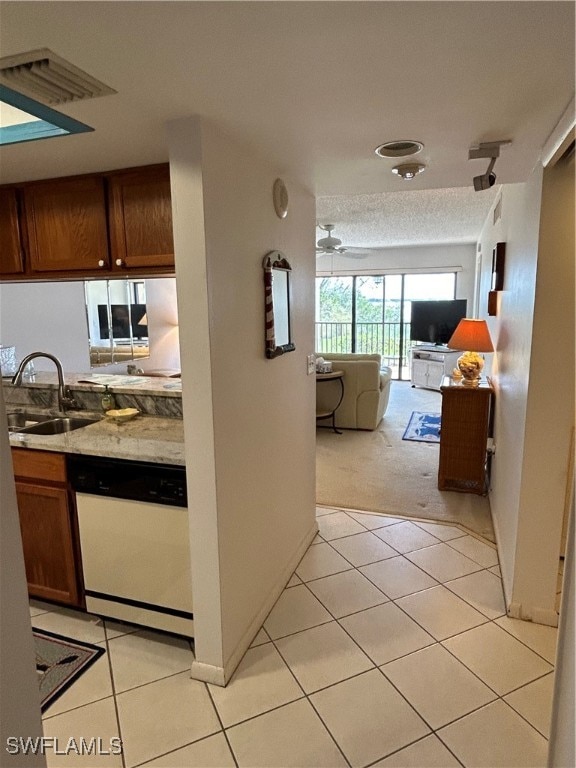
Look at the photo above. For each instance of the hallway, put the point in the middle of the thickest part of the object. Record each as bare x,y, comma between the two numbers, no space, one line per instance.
388,647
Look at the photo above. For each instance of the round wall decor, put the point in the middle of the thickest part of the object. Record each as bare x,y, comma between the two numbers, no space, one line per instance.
280,198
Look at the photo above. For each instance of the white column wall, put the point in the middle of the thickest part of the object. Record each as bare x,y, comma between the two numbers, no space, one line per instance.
511,332
533,416
249,421
550,406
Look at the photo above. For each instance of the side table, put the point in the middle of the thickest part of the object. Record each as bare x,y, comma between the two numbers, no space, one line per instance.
464,434
330,413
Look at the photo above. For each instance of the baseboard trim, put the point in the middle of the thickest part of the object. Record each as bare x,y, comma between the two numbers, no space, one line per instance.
545,616
208,673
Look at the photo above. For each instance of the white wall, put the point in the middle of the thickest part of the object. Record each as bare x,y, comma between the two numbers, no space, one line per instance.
51,317
447,257
562,748
534,411
47,317
19,696
550,406
249,421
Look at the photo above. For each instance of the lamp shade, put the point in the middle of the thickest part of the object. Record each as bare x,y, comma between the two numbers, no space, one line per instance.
471,335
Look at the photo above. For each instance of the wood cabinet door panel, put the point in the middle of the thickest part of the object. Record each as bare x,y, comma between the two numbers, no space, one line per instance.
67,228
47,542
11,255
39,465
141,219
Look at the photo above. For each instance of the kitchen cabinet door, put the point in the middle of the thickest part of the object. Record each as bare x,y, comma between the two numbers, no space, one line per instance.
66,223
48,542
11,253
141,219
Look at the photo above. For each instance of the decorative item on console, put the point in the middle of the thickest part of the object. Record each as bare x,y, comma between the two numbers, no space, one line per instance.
323,366
472,337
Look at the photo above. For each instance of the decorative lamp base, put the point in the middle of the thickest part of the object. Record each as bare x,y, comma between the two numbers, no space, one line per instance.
470,365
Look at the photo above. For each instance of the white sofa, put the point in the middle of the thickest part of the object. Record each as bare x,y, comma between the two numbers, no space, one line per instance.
366,390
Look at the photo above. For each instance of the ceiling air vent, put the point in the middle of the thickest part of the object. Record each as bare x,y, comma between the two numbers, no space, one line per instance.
44,76
402,148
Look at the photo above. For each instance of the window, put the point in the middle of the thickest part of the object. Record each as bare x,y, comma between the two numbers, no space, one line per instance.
371,313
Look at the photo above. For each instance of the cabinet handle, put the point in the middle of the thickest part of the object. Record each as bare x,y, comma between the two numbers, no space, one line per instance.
119,263
101,263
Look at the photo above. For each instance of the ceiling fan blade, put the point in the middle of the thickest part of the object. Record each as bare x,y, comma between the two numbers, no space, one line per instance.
352,254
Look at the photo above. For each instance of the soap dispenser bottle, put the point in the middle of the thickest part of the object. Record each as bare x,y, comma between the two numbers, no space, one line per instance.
107,400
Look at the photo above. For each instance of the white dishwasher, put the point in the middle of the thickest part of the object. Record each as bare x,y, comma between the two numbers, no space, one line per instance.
134,538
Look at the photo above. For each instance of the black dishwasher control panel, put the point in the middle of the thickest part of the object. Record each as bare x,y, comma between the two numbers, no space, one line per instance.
136,480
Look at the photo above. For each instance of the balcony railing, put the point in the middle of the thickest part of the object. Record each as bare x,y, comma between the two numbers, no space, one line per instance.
371,338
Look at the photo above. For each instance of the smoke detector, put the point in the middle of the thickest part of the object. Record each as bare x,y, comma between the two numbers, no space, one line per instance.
408,171
44,76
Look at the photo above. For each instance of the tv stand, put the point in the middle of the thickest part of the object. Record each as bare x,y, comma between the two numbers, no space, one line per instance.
429,363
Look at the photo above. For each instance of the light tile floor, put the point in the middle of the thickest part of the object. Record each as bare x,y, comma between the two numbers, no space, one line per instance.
389,647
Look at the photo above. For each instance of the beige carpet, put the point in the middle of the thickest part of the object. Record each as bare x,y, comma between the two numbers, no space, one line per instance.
379,472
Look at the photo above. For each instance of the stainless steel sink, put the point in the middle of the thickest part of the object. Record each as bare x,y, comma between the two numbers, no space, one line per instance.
57,426
19,420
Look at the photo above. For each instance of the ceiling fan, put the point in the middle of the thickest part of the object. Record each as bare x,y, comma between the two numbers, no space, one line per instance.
331,245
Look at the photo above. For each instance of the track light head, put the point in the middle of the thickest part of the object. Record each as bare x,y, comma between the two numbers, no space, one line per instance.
485,181
488,149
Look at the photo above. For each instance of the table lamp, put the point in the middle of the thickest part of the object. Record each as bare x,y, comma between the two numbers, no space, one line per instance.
472,337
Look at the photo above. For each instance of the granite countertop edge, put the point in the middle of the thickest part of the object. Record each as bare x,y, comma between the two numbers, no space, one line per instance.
144,438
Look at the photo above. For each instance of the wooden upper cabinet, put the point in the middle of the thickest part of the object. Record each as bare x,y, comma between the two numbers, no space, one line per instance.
141,219
66,223
11,254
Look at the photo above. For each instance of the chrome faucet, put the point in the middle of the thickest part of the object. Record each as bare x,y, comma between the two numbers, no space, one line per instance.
65,399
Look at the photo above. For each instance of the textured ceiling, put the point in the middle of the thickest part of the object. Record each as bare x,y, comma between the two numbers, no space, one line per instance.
454,215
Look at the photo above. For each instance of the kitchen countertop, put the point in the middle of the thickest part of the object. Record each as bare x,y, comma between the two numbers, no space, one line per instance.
144,438
140,385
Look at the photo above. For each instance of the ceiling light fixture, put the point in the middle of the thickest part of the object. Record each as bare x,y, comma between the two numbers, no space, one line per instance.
491,150
408,171
25,119
402,148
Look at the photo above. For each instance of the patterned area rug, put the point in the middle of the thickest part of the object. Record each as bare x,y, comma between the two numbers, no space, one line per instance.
423,427
59,662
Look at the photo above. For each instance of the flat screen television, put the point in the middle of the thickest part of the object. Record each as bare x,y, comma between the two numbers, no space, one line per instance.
434,322
124,325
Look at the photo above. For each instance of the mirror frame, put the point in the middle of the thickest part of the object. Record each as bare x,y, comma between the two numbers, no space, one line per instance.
276,261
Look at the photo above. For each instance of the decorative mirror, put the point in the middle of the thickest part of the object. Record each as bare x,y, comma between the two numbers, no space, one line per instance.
117,321
277,304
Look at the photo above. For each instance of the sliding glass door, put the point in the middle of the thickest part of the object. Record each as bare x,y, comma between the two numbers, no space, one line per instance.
371,313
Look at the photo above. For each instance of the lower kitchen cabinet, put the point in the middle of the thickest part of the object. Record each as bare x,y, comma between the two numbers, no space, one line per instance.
49,527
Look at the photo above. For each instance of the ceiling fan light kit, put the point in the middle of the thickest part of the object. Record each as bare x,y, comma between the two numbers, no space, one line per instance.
329,244
408,171
332,246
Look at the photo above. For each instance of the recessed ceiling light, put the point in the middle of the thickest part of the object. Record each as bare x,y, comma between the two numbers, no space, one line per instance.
402,148
407,171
